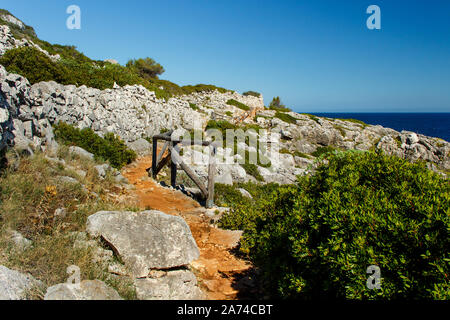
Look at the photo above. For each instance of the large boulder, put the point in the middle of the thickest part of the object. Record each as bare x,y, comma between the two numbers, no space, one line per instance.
85,290
140,146
176,285
80,152
145,240
14,284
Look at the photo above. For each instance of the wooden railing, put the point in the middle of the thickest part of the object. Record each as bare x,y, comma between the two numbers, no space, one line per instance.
174,159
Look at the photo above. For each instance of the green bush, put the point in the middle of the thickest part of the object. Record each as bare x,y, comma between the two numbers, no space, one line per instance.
33,65
110,148
203,88
146,68
237,104
75,68
194,106
252,169
243,210
317,239
323,151
277,105
285,117
362,123
252,93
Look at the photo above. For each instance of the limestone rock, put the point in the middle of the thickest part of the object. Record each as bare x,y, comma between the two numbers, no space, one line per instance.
176,285
85,290
140,146
81,152
145,240
245,193
14,284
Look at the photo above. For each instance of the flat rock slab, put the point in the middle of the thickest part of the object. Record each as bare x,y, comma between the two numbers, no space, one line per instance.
85,290
145,240
176,285
13,284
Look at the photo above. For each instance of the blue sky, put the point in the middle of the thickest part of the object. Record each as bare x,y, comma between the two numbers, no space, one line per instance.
318,56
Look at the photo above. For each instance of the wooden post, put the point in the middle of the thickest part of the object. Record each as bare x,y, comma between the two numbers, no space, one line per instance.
164,149
173,166
191,174
211,176
154,157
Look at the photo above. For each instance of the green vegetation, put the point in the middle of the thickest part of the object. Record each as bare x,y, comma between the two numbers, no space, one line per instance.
323,151
312,117
110,148
221,125
194,106
302,155
30,193
34,65
203,88
363,124
285,117
229,113
278,106
317,238
252,93
146,68
252,170
341,130
237,104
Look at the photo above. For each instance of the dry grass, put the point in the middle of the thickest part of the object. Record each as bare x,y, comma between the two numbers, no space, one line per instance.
30,193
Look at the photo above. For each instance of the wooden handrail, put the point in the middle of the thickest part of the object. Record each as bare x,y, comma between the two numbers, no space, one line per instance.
159,161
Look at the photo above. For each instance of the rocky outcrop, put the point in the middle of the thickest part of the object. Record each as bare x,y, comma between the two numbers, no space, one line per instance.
132,112
155,248
13,284
216,101
172,285
85,290
145,240
8,42
20,125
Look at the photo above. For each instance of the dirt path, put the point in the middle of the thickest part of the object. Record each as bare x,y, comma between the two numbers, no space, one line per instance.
218,269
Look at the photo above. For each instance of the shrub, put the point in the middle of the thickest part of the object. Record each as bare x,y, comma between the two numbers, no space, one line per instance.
252,169
77,69
203,88
146,68
323,151
243,210
194,106
221,125
360,209
110,148
285,117
252,93
362,123
278,106
33,65
237,104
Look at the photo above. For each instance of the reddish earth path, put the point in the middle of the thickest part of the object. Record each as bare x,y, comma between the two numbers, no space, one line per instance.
217,269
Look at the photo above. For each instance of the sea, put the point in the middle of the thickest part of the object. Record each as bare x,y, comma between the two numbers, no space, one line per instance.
429,124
